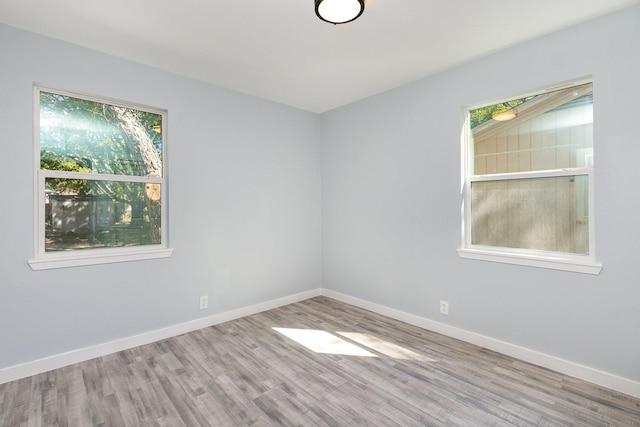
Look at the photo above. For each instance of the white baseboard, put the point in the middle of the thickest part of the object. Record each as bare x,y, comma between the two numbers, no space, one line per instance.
562,366
80,355
541,359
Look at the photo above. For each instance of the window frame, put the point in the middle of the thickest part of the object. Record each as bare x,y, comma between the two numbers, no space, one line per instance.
89,256
527,257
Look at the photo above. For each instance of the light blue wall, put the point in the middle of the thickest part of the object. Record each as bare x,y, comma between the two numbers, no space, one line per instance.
391,202
246,209
244,205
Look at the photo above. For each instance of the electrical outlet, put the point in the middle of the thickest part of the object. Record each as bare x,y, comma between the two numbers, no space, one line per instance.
204,302
444,307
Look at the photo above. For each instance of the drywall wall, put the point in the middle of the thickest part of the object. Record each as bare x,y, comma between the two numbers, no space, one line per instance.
392,202
244,206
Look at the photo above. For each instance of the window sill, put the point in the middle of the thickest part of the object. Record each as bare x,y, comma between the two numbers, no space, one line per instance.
99,256
586,266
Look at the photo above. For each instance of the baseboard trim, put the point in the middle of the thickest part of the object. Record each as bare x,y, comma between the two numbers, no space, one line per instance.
586,373
562,366
39,366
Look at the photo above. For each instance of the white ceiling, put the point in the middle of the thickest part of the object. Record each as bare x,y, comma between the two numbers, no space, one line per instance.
279,49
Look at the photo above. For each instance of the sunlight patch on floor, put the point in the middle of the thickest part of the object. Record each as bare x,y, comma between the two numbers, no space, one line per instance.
349,344
324,342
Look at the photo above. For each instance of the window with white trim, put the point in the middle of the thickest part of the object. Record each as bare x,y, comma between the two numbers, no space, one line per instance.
529,180
100,180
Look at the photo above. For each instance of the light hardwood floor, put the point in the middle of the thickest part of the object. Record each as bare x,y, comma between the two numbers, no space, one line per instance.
257,371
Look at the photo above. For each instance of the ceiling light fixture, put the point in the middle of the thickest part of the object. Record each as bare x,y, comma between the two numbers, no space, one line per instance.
339,11
504,115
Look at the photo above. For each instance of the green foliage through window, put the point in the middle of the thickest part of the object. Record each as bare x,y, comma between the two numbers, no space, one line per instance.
482,115
85,145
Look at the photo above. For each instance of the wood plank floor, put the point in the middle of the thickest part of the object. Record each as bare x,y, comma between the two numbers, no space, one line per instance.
313,363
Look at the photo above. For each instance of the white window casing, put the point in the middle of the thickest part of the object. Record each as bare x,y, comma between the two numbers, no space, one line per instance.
47,258
519,250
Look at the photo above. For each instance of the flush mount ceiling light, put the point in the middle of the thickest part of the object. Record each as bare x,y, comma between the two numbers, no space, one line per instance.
504,115
339,11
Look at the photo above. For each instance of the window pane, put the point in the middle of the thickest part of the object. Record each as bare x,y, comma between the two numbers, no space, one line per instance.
545,132
548,214
82,214
78,135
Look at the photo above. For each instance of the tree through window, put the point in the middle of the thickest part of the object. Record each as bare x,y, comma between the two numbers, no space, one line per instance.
101,179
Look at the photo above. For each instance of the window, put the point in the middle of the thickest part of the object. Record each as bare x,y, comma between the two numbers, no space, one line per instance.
100,181
529,179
